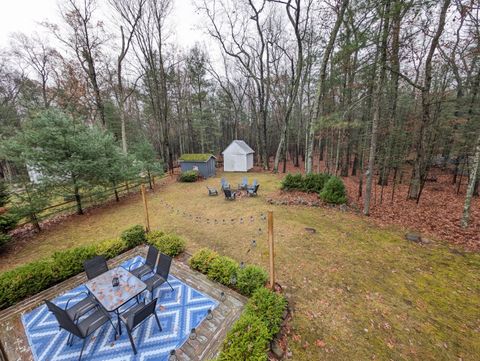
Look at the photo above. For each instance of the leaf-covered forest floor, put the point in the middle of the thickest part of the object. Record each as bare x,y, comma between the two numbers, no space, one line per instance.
436,216
357,291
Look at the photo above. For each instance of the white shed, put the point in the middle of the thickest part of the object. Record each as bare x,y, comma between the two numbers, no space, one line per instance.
238,157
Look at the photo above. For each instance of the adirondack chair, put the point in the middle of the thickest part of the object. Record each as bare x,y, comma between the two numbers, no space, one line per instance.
244,184
212,191
254,184
224,184
229,195
253,191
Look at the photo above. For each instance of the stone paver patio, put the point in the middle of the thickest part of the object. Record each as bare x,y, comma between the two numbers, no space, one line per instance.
14,344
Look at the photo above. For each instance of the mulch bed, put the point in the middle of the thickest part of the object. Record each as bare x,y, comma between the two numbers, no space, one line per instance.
294,198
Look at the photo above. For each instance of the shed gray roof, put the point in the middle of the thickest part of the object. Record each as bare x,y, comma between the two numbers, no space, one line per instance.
244,147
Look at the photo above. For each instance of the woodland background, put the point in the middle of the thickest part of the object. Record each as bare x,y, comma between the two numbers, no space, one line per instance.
384,93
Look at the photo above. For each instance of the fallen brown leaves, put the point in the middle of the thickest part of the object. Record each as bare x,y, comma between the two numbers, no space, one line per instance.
437,215
320,343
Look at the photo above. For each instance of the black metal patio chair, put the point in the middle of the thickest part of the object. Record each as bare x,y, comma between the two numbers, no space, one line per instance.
146,266
229,195
212,191
95,266
84,328
134,317
161,274
80,308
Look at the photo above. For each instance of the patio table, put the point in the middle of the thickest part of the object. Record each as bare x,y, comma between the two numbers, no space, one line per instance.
113,297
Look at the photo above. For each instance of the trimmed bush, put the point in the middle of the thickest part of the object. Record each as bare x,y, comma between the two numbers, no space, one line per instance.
134,236
223,269
269,307
25,281
8,221
251,278
29,279
310,183
248,340
292,181
202,259
188,176
70,262
111,248
334,191
314,182
262,318
4,239
169,244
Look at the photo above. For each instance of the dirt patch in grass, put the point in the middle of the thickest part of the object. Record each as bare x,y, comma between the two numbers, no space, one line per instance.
357,291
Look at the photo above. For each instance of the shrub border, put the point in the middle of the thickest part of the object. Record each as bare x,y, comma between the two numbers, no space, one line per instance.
231,341
31,278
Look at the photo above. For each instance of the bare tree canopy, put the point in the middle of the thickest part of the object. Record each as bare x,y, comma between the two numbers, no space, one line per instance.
382,91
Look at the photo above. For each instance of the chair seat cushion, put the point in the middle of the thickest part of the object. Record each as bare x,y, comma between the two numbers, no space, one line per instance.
92,322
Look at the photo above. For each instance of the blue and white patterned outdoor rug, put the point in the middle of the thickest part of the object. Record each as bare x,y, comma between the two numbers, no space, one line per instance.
179,311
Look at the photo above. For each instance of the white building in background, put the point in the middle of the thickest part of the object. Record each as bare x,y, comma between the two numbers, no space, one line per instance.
238,157
34,174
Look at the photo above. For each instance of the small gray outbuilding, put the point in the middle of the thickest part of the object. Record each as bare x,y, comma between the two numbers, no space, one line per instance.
203,163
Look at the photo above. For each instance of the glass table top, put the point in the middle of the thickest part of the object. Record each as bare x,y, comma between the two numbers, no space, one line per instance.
112,297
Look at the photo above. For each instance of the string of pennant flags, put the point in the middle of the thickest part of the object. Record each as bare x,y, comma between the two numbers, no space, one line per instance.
245,220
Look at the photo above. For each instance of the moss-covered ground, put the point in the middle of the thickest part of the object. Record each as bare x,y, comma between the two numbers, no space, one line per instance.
358,292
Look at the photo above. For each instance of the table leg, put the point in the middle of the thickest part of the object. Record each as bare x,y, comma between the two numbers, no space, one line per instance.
118,321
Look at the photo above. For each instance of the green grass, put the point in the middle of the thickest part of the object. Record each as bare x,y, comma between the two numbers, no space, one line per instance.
365,292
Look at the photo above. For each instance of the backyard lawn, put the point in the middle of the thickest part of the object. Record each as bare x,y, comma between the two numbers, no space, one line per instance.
357,291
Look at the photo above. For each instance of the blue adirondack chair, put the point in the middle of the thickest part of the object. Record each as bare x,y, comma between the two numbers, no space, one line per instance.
253,191
254,184
244,184
224,184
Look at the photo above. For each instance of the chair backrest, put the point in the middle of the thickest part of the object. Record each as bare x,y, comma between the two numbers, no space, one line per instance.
223,181
244,181
143,313
254,182
95,266
152,256
63,319
163,267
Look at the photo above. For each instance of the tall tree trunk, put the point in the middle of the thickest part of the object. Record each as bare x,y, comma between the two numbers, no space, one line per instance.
377,97
420,157
471,186
78,199
321,88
